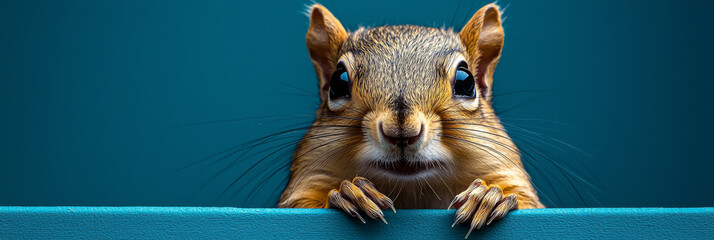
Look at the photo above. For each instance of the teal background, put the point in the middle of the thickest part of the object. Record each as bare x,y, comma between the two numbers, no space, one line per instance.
107,102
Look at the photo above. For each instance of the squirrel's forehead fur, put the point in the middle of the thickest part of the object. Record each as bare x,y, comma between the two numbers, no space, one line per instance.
403,61
402,41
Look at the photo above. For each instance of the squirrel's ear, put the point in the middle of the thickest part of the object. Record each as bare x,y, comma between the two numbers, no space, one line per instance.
324,38
483,38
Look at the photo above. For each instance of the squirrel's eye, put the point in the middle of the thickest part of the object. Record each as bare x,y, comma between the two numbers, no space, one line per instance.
464,84
340,83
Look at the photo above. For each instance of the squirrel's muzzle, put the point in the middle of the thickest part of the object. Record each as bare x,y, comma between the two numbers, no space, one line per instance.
400,137
405,132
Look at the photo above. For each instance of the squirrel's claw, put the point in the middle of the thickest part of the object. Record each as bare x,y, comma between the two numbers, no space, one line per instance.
488,203
336,200
482,204
355,195
368,188
461,198
360,194
469,206
506,204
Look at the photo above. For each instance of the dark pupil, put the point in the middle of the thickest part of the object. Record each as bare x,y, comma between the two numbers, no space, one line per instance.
464,85
339,84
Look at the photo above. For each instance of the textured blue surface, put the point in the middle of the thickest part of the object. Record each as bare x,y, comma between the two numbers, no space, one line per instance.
194,222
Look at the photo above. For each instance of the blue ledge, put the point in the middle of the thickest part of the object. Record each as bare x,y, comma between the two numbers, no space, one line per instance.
196,222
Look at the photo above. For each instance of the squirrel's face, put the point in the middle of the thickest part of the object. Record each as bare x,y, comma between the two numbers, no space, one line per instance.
398,79
400,86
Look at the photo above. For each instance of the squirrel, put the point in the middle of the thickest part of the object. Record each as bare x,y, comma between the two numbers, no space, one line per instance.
405,113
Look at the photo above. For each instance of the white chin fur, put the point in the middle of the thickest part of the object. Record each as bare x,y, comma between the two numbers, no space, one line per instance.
434,154
426,174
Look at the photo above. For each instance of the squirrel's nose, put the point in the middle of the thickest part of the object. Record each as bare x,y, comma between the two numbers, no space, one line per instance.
402,138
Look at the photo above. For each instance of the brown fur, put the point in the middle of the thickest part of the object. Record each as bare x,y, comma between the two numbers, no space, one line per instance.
401,79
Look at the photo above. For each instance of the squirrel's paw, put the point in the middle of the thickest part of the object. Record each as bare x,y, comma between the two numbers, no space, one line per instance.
360,194
483,204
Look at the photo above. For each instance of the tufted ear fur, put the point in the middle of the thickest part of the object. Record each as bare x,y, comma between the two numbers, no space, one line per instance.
483,38
324,38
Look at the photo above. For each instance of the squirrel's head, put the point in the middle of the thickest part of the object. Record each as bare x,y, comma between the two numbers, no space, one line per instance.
416,95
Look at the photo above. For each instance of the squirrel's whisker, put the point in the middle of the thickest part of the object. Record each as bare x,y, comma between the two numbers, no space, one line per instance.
283,117
261,160
241,145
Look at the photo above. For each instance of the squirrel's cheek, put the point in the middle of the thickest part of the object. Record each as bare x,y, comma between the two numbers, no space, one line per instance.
336,104
468,104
